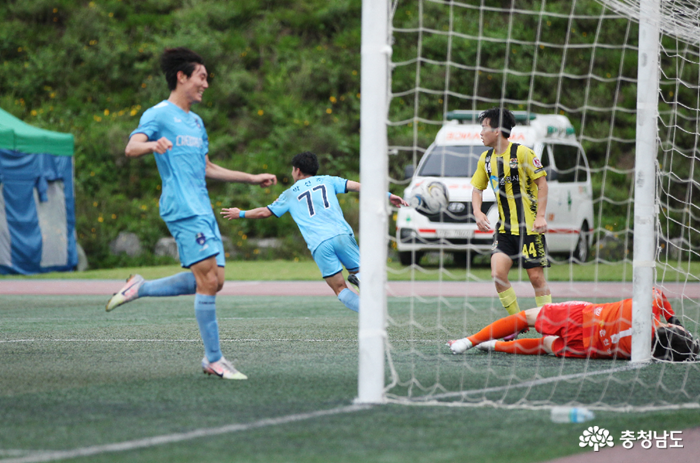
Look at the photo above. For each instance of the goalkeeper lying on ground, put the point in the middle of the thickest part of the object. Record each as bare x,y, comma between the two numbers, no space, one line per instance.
585,330
314,207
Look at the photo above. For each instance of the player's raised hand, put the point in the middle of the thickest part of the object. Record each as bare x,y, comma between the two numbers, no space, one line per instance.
398,201
162,145
265,180
230,213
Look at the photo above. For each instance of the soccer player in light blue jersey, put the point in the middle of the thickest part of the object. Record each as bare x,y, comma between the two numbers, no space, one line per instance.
179,142
313,204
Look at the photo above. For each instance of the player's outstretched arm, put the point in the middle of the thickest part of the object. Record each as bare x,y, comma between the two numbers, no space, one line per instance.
139,145
235,213
216,172
397,201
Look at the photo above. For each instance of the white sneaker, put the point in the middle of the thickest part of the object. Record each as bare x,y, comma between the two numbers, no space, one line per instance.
488,346
128,293
221,368
459,346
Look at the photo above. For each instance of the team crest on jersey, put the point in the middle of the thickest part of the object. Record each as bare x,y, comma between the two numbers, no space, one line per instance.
513,164
200,238
537,162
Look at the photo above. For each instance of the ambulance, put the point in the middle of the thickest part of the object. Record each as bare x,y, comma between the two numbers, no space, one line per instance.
453,158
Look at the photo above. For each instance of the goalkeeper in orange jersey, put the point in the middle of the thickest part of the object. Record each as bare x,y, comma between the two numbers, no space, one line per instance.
585,330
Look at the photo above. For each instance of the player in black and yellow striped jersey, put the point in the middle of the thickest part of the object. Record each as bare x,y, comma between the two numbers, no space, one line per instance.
518,180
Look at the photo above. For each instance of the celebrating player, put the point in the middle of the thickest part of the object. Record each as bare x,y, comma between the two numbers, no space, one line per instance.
313,204
179,142
585,330
518,181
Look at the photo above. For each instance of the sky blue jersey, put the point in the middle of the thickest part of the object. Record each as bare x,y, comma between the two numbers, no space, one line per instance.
313,204
182,168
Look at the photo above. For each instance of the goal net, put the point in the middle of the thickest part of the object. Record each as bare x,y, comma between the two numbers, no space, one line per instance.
569,72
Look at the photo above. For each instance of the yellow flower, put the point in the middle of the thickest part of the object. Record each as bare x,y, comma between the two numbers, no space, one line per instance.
260,112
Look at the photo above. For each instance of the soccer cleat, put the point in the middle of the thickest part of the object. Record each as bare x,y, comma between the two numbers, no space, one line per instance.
221,368
459,346
128,293
355,281
487,346
513,337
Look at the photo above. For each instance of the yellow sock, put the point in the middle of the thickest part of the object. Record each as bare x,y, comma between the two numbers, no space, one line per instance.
542,300
509,301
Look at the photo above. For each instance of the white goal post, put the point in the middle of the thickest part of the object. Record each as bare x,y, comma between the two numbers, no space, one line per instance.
373,201
645,215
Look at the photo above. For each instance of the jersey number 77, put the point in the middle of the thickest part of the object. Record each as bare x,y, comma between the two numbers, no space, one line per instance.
309,201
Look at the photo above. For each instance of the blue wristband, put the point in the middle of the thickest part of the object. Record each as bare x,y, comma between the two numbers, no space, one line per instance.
241,215
388,195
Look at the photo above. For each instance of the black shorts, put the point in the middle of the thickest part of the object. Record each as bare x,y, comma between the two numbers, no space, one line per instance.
531,250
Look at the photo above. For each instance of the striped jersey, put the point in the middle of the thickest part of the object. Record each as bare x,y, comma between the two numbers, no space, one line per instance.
512,177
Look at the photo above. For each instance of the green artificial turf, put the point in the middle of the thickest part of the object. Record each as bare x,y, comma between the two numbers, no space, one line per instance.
74,376
430,270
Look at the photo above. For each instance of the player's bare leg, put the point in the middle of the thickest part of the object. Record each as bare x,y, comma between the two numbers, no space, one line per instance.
345,295
542,293
501,264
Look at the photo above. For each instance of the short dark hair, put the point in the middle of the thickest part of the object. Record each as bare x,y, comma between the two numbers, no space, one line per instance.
178,59
306,162
675,344
499,118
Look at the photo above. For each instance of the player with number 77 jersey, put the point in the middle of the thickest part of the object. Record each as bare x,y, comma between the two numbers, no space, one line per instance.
312,201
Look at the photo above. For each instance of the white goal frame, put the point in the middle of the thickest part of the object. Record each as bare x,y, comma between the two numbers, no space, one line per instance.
375,78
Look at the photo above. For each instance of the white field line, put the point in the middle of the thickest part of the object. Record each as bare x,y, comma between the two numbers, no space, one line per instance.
537,382
10,341
40,456
31,340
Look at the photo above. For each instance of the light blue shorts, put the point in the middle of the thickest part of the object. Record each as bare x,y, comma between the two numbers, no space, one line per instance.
197,238
334,253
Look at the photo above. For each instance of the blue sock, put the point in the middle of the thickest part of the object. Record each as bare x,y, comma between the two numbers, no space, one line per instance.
176,285
205,311
350,300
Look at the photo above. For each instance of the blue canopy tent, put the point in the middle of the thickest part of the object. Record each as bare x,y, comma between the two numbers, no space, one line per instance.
37,202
